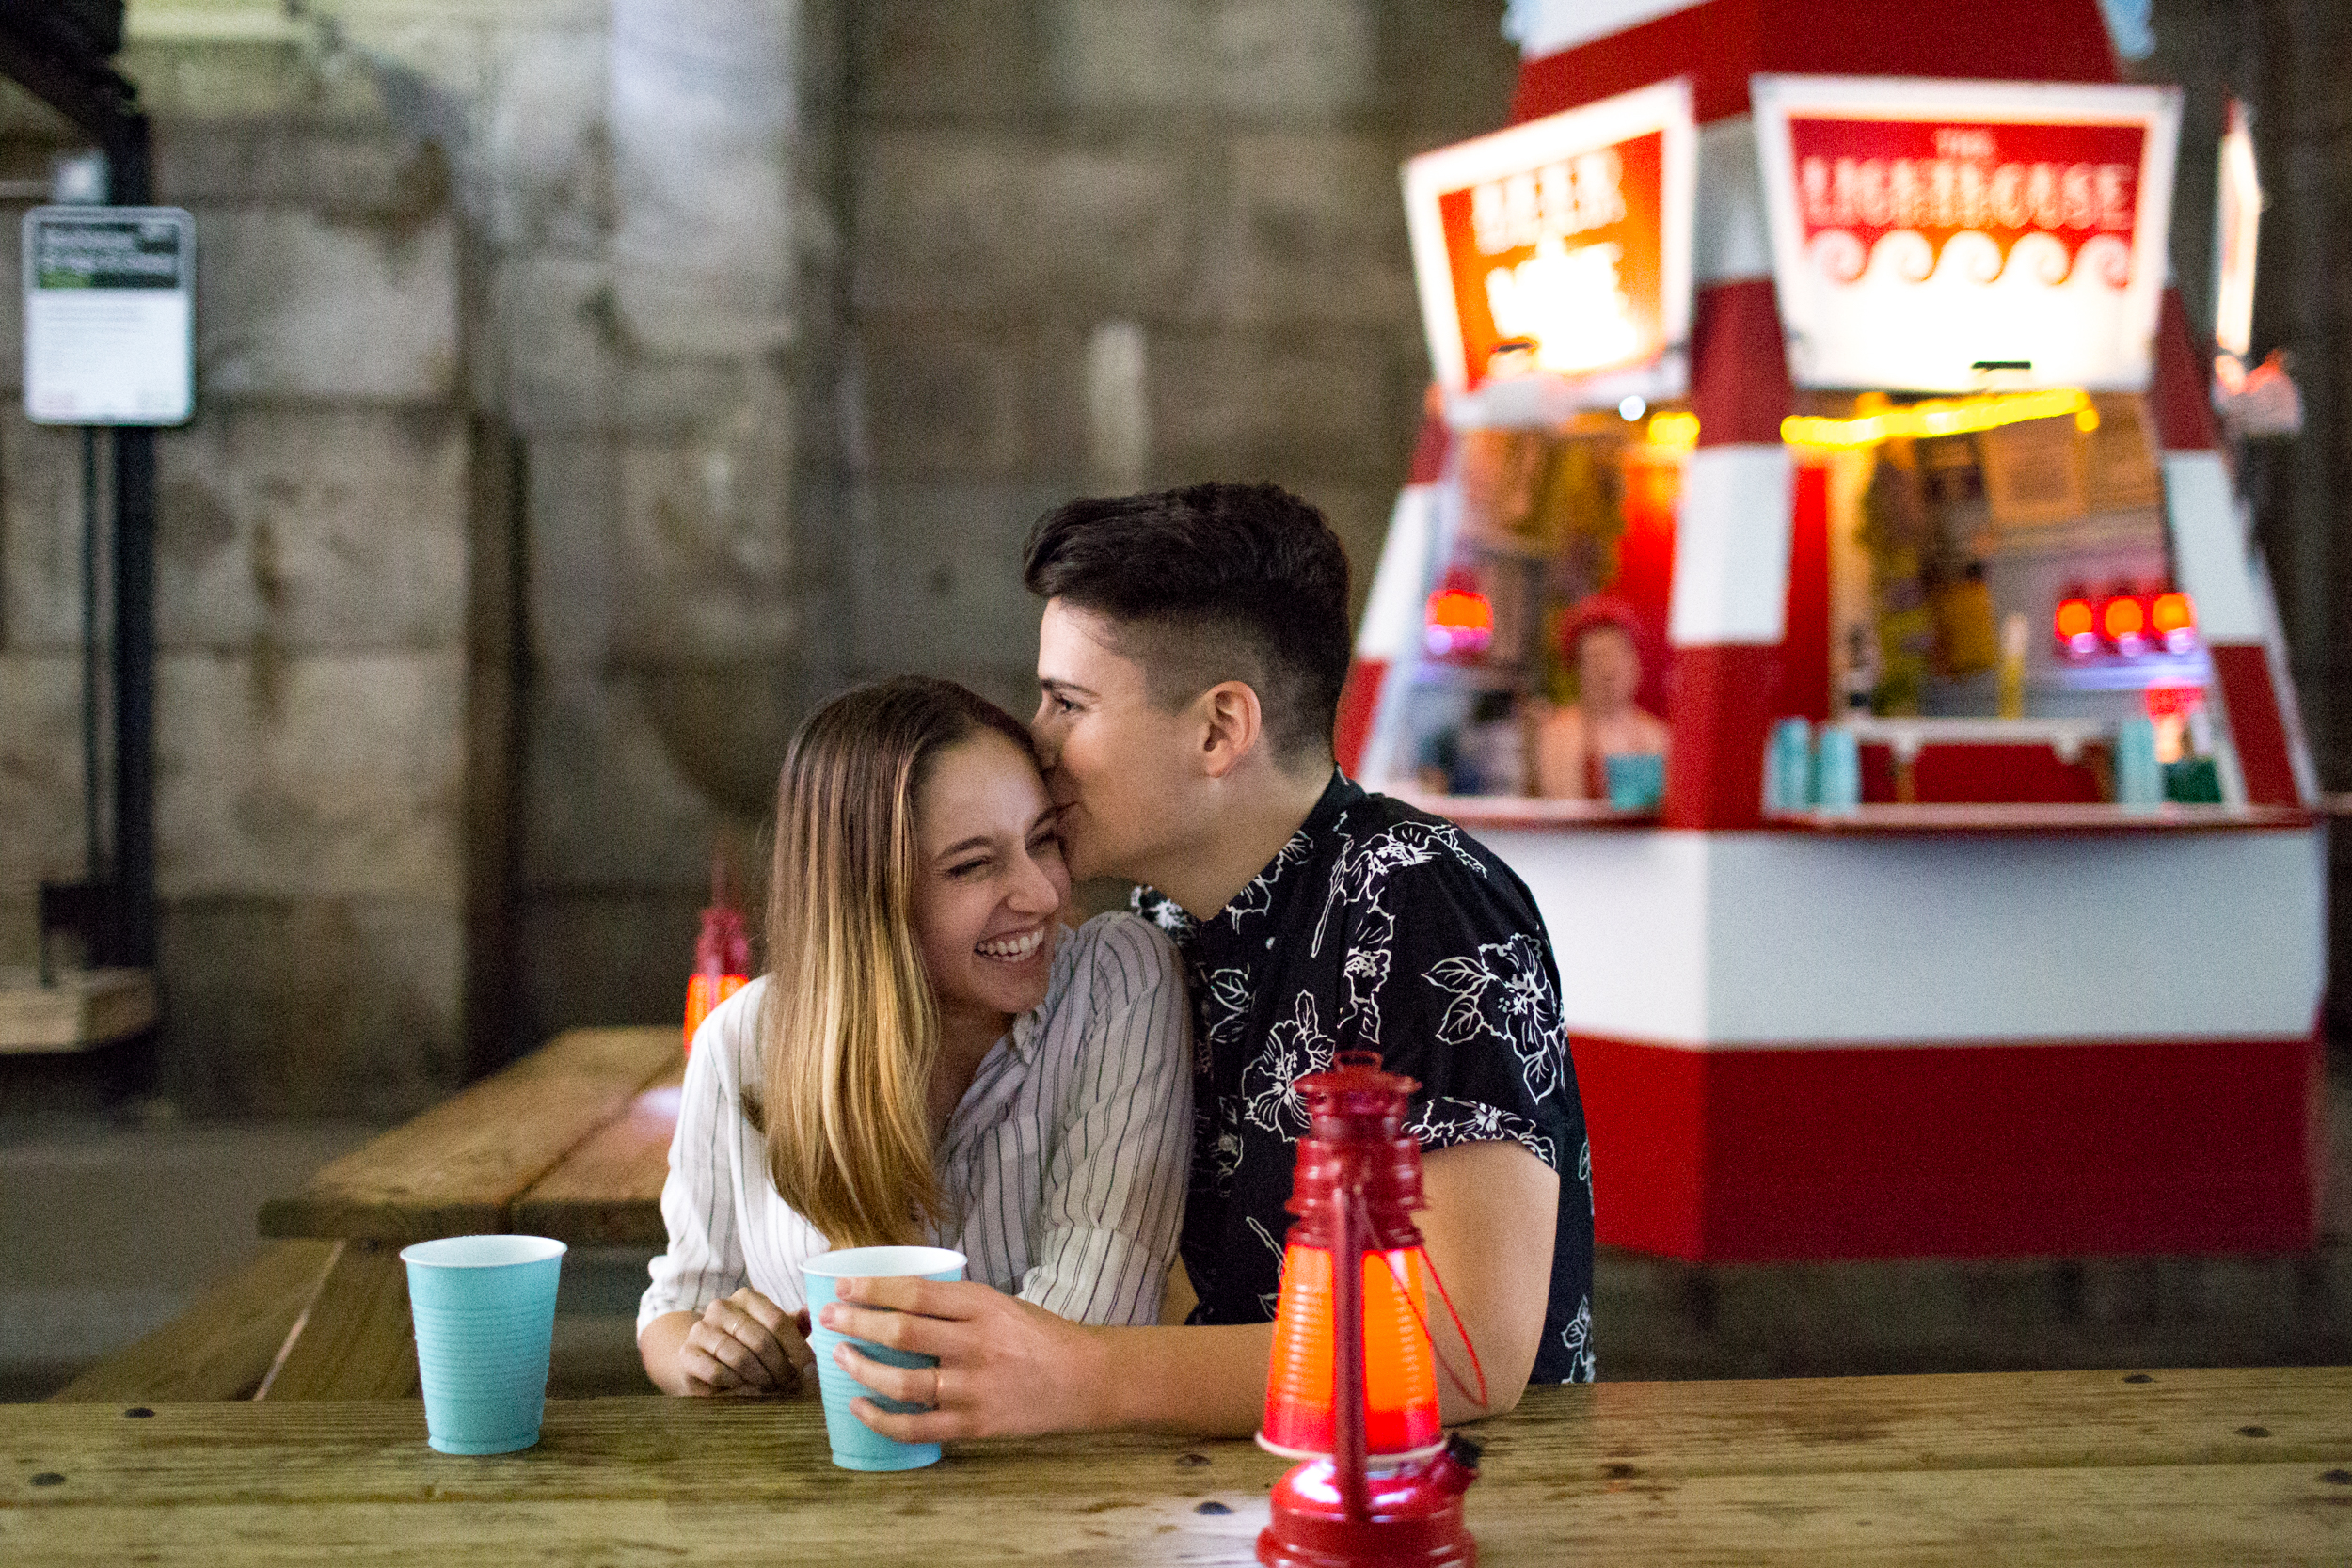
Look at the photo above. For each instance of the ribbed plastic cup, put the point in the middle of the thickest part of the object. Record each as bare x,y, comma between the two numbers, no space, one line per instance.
1637,780
2139,777
855,1445
1838,769
484,1312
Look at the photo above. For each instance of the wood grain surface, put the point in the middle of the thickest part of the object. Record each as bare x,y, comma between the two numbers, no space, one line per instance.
2202,1468
222,1346
608,1191
353,1341
457,1170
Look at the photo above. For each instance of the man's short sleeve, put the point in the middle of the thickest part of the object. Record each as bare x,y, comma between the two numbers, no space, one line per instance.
1450,976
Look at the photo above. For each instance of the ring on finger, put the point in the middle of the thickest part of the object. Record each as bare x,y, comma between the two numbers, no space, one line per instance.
934,1387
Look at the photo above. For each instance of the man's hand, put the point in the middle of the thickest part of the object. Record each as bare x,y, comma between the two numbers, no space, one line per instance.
1006,1368
740,1344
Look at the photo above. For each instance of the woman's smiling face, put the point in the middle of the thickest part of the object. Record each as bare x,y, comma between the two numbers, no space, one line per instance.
990,878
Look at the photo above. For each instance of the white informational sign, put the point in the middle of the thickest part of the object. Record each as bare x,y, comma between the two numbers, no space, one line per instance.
1937,236
109,315
1560,249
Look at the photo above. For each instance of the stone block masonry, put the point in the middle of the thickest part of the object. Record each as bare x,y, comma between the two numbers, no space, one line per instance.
313,612
509,547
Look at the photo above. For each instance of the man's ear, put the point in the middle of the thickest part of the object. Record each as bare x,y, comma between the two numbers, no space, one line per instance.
1232,724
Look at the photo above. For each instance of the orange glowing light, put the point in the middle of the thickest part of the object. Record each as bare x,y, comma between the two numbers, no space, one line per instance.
1459,609
2172,612
2123,618
2073,619
1400,1370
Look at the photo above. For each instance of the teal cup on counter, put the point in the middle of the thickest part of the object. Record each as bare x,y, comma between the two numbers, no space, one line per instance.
2139,777
1637,780
855,1445
1836,769
484,1313
1789,766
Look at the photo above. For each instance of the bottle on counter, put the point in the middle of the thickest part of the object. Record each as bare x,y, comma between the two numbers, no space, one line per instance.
722,954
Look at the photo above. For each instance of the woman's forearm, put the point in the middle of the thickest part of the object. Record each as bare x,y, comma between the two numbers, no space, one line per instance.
1205,1382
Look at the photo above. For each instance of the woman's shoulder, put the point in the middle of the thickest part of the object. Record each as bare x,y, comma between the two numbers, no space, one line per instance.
1114,960
729,1037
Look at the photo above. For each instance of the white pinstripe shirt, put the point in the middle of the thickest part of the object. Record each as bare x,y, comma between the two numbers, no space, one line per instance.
1064,1165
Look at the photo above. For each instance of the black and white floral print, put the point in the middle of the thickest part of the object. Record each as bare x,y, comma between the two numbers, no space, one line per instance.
1504,990
1443,1121
1295,1049
1223,1009
1375,928
1578,1339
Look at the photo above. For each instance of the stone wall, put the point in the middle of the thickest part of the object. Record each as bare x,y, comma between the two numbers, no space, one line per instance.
2285,59
311,550
506,550
1100,244
1045,246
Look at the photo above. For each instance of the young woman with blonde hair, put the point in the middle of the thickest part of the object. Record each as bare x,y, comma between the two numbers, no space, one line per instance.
930,1058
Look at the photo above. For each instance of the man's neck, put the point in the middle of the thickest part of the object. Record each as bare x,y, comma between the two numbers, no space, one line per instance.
1249,829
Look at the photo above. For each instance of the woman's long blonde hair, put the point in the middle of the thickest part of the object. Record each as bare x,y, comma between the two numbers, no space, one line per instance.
849,1030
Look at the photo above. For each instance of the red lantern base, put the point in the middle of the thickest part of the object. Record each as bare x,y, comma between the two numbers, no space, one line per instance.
1415,1517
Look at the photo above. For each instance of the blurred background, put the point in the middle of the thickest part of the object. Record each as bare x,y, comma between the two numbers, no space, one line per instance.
587,387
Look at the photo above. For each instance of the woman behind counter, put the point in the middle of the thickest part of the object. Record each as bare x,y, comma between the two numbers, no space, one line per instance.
931,1057
1603,639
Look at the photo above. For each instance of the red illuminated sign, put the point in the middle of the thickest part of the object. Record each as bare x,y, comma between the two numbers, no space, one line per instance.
1565,244
2053,198
1946,236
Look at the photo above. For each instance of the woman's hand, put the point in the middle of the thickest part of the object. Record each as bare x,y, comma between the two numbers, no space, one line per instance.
740,1344
1006,1368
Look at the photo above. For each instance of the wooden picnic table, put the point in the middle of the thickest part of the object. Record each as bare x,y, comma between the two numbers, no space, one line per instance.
572,1142
2143,1469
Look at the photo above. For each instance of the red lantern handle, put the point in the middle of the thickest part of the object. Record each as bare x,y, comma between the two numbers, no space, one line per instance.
1459,1327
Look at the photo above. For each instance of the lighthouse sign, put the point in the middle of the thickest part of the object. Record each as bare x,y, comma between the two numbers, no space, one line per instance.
1561,248
1943,236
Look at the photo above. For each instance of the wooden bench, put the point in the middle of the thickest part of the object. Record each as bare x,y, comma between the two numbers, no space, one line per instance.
570,1142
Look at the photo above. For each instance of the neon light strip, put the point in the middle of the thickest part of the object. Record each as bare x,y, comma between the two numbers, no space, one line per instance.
1939,417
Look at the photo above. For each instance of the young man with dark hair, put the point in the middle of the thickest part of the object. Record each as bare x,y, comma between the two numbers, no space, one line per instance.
1191,656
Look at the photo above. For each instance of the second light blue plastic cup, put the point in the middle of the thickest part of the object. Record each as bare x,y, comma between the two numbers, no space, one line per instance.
2139,777
1788,766
855,1445
1637,781
485,1314
1836,769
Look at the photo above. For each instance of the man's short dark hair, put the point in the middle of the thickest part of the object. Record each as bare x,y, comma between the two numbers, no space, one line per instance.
1209,583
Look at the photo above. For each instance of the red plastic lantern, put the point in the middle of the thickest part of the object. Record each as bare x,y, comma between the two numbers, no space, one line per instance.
722,956
1352,1387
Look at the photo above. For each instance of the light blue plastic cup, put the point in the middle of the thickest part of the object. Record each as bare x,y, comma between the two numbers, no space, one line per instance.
1789,766
1637,781
1836,769
855,1445
484,1311
2139,777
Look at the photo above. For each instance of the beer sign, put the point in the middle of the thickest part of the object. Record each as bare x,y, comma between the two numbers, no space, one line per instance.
1562,246
1948,236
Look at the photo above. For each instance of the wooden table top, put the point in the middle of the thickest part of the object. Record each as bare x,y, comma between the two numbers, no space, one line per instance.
571,1142
2145,1470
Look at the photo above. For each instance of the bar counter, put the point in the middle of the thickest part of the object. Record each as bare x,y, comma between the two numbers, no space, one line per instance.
2142,1468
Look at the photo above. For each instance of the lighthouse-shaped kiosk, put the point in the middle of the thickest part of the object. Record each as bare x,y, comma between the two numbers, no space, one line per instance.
1825,351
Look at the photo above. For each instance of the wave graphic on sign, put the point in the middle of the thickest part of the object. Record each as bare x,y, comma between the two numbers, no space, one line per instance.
1970,255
